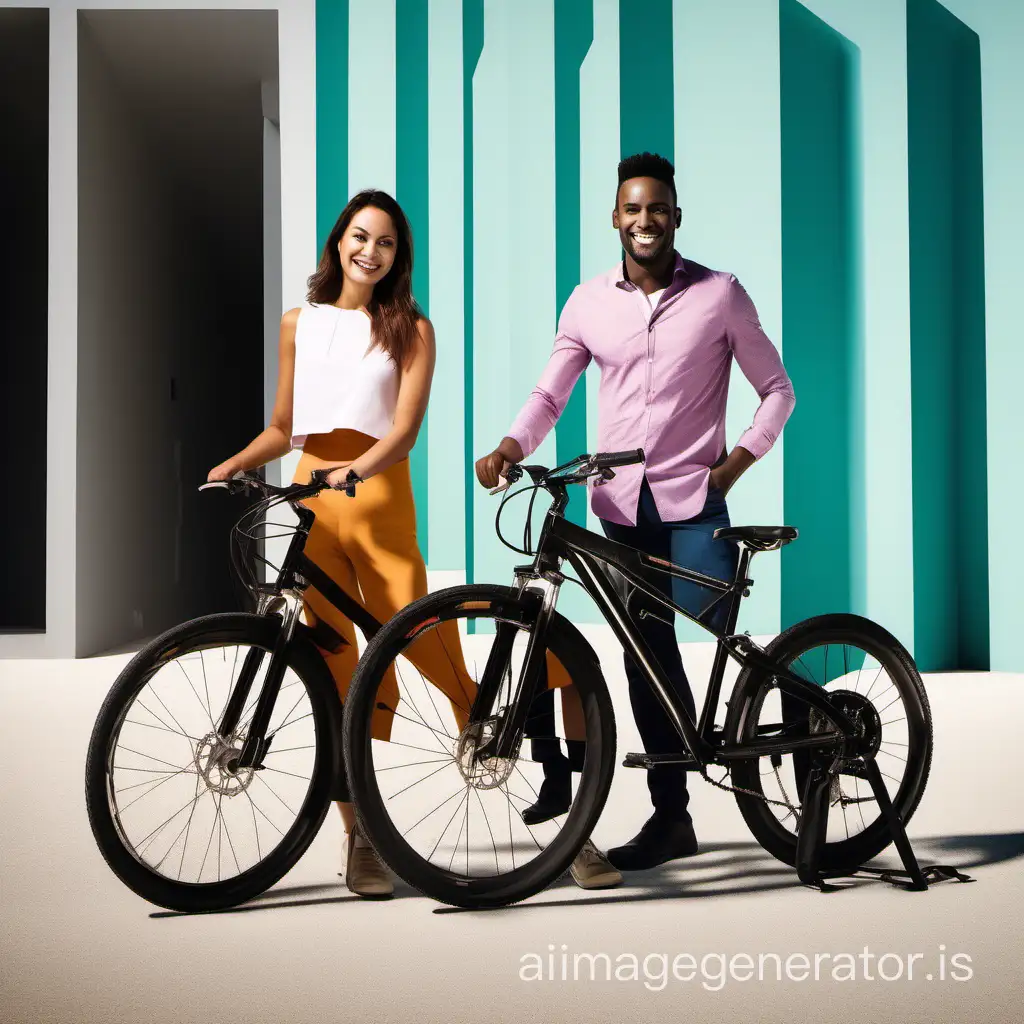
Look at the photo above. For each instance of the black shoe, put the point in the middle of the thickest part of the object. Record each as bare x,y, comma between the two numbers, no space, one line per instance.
555,796
660,840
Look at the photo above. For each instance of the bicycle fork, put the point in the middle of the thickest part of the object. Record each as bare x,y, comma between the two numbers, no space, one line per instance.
255,746
506,740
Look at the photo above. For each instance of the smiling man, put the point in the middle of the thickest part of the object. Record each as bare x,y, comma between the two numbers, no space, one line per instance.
663,330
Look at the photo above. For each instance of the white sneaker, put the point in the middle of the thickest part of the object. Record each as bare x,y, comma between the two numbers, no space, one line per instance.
365,873
592,870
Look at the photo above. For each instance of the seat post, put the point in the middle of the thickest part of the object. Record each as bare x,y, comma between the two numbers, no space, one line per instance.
707,715
742,568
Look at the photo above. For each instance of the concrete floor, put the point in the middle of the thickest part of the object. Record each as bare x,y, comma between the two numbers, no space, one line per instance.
77,946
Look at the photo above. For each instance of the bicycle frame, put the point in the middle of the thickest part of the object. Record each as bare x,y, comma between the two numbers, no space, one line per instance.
297,572
594,558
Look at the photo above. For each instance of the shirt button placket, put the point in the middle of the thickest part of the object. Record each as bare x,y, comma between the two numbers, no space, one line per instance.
649,389
650,363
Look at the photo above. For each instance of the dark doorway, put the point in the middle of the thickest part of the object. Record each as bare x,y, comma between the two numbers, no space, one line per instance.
24,103
171,306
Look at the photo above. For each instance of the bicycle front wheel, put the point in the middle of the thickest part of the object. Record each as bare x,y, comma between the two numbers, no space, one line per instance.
451,824
174,816
873,676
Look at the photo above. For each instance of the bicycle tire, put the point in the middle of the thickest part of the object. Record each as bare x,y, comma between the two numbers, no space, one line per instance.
741,722
210,632
576,655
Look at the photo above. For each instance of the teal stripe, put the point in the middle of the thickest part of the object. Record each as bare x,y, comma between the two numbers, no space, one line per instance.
820,298
857,357
972,455
412,187
646,120
574,32
331,114
472,48
947,341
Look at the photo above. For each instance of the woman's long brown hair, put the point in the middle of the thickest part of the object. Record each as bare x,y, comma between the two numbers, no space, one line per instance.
393,310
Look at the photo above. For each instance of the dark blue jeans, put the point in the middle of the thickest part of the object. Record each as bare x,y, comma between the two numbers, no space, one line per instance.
689,543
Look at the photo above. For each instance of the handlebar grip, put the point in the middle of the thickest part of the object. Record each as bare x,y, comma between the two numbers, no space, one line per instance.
237,484
609,459
319,477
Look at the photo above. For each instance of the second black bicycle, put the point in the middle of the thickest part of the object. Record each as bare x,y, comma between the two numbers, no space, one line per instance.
831,716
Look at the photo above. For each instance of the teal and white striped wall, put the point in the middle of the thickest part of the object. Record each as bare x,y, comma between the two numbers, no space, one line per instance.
844,160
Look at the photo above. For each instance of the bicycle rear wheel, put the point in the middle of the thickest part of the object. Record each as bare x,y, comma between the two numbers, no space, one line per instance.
880,686
448,824
175,818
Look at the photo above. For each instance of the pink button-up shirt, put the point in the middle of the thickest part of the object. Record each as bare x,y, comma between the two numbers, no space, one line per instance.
664,383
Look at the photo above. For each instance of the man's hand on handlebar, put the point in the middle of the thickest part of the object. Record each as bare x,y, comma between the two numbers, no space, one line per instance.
492,468
577,470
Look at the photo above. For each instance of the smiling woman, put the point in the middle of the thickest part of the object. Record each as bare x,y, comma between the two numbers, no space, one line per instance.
355,368
369,245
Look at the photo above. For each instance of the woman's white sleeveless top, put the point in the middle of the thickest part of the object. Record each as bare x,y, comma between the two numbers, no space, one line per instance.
340,383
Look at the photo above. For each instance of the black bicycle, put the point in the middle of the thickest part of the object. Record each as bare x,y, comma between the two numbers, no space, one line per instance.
213,759
830,716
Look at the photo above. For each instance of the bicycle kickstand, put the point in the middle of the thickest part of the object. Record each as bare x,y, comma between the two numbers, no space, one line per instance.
914,878
812,828
814,824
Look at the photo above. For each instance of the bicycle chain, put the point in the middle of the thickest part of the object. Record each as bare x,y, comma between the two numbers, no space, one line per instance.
760,796
749,792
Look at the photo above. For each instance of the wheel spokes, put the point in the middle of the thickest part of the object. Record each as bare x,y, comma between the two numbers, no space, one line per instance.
855,671
220,826
460,814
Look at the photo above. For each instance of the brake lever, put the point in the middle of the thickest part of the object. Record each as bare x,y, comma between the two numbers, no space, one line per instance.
513,474
238,477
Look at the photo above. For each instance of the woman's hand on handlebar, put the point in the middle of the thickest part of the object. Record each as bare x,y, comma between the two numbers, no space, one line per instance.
336,477
225,471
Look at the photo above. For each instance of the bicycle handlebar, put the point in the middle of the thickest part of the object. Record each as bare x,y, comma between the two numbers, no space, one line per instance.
240,483
629,458
578,470
554,481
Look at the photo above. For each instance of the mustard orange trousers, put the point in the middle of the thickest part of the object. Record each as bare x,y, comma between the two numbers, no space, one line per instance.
368,546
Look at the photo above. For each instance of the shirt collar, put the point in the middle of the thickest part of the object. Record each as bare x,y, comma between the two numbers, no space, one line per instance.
622,281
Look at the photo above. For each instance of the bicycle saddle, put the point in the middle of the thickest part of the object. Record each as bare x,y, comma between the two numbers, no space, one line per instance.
760,538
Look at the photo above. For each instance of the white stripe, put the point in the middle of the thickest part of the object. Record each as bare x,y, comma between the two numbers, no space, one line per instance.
599,159
493,294
728,176
371,95
446,467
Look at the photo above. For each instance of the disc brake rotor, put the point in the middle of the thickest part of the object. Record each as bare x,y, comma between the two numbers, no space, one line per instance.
216,761
488,773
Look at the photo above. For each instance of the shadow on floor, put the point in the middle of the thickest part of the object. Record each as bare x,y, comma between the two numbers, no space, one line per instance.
721,869
748,863
283,896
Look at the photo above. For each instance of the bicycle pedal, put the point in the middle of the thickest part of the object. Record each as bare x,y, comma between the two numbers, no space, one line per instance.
653,760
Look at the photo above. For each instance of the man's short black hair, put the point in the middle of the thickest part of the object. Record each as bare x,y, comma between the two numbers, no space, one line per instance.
647,165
